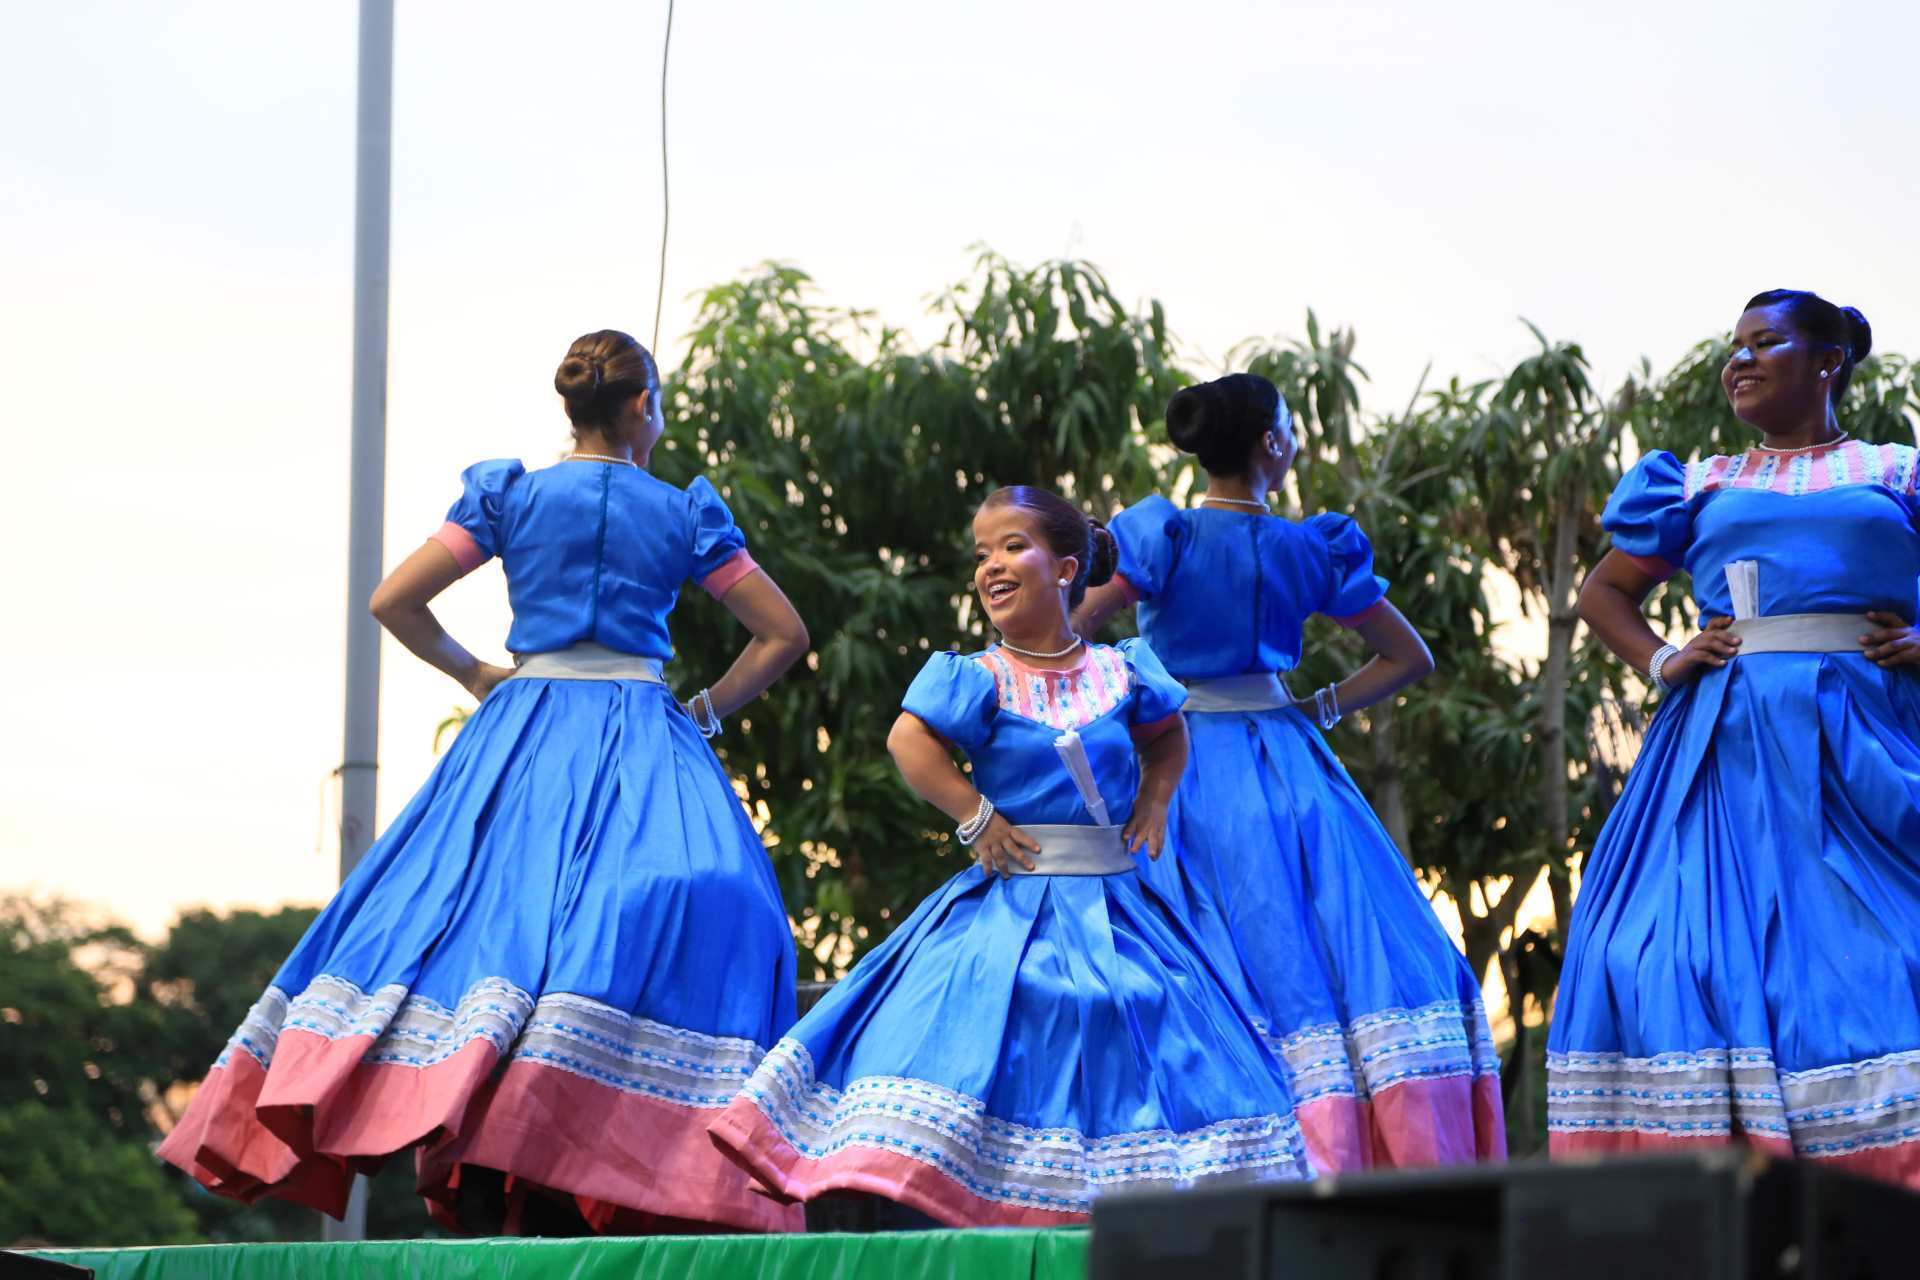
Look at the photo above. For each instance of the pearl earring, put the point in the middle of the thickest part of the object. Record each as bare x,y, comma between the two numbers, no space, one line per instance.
1823,373
1064,582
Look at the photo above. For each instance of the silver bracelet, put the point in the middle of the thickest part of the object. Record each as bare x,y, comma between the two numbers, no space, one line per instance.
970,830
709,726
1326,705
1658,663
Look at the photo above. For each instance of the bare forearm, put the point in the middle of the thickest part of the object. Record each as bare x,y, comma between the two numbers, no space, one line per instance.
1379,679
1614,615
416,628
762,662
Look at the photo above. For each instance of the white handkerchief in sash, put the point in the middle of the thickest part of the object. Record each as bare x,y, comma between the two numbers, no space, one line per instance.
1743,584
1073,754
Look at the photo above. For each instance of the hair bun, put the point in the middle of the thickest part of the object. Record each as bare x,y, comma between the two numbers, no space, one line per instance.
1219,422
1104,555
1187,416
1859,333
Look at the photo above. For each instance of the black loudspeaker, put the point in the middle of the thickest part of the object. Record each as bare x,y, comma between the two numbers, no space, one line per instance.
20,1266
1725,1214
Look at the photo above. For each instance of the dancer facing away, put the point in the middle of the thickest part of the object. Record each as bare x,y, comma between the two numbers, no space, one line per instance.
1743,963
1042,1029
1295,888
569,951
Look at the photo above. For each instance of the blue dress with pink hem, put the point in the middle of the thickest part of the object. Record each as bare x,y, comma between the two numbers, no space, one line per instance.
1744,957
1289,879
569,950
1020,1046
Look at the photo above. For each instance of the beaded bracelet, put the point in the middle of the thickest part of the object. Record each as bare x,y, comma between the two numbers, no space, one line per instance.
1658,664
970,830
1326,705
710,725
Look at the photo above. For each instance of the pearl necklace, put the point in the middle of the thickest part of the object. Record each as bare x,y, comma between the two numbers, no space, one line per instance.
1807,448
1239,502
601,457
1034,653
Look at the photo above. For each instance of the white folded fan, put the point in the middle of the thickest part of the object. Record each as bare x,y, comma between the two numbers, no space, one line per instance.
1073,754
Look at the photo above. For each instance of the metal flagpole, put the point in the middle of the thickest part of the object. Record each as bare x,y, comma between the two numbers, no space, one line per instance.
372,200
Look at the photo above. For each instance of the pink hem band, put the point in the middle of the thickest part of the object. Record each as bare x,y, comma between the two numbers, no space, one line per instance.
1898,1164
743,1132
728,575
1127,588
466,552
1352,620
1448,1120
296,1131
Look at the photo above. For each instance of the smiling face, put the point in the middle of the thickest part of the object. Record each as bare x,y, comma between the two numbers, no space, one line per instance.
1017,575
1773,375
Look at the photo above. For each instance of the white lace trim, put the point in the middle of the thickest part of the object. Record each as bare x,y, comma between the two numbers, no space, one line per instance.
567,1032
1058,1169
1826,1111
1386,1048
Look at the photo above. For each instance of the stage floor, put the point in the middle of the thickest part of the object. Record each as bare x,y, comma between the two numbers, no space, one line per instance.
1041,1255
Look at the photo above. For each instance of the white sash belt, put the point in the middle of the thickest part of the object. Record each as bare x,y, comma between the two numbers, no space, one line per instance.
1802,633
1261,692
586,661
1067,850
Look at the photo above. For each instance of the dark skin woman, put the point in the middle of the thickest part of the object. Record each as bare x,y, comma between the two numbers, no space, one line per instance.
1784,383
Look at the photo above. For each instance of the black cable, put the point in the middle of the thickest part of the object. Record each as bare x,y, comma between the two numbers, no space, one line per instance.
666,204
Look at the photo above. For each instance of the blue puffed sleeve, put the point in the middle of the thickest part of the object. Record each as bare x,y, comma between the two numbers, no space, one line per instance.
1354,587
1148,535
1156,695
1647,514
477,511
717,547
956,697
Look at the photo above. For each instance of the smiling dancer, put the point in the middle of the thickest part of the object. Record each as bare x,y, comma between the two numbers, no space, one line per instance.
1744,959
1042,1029
1293,885
569,950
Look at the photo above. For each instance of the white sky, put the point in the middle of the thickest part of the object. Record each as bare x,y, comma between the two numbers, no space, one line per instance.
176,246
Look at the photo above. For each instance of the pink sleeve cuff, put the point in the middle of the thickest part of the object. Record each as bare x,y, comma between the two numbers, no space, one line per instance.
728,575
466,552
1656,568
1144,733
1353,620
1127,588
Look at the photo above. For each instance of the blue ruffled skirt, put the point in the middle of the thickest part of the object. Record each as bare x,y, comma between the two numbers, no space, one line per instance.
1744,958
559,962
1016,1048
1301,898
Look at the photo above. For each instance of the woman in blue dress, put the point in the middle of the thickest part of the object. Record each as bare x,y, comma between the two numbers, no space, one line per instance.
569,950
1042,1029
1292,883
1744,959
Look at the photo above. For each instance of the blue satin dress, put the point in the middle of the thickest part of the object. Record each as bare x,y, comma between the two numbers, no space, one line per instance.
569,950
1744,957
1019,1046
1289,879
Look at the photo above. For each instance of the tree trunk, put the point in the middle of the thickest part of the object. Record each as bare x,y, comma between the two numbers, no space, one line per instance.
1389,796
1554,679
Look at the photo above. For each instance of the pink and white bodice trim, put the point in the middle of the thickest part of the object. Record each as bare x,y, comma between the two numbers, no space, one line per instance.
1851,462
1070,699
